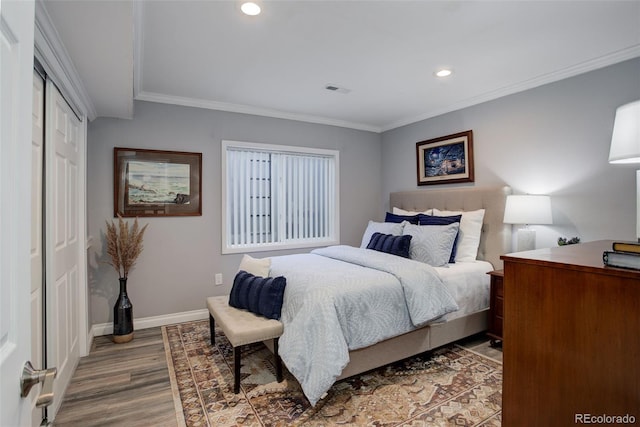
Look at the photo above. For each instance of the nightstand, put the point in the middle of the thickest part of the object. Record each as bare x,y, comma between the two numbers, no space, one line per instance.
496,299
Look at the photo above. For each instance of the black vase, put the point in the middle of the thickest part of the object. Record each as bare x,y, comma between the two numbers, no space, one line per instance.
123,316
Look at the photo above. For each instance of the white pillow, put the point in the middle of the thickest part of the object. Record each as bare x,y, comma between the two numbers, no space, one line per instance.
469,235
398,211
381,227
255,266
431,244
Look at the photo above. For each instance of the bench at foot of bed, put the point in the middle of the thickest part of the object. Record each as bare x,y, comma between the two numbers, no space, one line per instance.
242,327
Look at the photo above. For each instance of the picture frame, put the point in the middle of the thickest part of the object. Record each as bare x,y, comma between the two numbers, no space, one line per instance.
150,183
445,160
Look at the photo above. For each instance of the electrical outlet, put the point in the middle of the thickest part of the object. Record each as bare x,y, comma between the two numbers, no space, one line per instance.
218,279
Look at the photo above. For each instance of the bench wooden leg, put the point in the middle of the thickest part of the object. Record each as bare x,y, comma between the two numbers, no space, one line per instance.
236,369
278,360
212,327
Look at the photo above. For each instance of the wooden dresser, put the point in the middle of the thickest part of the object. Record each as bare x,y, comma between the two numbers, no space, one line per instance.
571,337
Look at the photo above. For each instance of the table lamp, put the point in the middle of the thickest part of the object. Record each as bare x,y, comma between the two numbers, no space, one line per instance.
527,209
625,145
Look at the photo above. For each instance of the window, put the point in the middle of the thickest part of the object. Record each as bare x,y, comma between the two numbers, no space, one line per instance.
278,197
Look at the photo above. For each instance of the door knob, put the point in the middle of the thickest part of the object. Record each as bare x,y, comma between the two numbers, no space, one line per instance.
32,376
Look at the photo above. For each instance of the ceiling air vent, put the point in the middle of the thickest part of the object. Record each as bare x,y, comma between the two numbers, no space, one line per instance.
334,88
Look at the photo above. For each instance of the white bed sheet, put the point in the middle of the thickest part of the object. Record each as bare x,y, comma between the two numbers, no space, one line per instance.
468,283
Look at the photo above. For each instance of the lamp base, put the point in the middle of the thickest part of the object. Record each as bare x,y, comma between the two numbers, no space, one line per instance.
638,205
526,239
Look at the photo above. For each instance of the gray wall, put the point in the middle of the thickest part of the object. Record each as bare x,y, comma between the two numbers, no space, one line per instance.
552,140
549,140
175,272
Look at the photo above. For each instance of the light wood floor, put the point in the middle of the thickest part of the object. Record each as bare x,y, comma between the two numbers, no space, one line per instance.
121,385
128,384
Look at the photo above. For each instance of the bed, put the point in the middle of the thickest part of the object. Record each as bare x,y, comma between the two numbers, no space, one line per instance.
324,338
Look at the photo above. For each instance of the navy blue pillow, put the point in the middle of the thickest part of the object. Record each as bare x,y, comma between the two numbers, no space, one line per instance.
390,217
259,295
442,220
395,245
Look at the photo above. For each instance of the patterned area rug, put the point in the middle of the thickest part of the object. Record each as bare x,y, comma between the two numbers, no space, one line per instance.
450,386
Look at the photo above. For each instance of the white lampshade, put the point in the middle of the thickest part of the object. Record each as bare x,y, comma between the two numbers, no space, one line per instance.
625,141
625,145
527,209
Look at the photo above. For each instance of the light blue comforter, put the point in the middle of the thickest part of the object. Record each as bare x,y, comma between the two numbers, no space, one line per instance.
343,298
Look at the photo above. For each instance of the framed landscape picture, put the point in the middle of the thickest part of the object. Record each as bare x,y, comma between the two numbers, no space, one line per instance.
156,183
445,160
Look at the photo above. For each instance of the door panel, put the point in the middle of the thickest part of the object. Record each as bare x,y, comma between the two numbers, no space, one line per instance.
37,259
63,225
16,86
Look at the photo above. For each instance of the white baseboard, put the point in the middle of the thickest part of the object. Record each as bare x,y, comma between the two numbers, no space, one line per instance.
151,322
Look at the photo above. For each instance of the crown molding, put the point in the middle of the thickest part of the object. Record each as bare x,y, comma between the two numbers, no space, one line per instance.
584,67
141,95
256,111
53,56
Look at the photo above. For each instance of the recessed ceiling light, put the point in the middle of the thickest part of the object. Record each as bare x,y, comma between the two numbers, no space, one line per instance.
444,72
250,8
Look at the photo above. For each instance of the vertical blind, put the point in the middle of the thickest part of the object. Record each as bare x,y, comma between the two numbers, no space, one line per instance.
279,197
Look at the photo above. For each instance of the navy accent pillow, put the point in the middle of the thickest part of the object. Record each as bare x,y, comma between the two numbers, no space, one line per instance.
395,245
442,220
259,295
390,217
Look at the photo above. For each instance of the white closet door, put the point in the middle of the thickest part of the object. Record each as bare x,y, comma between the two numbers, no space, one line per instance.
65,246
16,81
37,258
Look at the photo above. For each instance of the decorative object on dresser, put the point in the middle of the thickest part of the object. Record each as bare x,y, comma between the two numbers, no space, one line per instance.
571,342
156,183
124,245
445,160
625,145
623,255
621,259
562,241
633,247
496,304
527,209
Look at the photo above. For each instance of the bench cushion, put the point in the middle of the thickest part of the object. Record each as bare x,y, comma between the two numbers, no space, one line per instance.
240,326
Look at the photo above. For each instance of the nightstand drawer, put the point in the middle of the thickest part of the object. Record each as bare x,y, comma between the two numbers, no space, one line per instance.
499,285
496,306
497,327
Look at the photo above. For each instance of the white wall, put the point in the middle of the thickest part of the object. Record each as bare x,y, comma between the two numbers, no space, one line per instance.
549,140
175,272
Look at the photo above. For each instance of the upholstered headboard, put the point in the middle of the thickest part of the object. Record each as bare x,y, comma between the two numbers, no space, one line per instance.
496,236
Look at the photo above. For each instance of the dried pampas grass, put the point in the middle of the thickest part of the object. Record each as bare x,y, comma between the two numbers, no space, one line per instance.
124,245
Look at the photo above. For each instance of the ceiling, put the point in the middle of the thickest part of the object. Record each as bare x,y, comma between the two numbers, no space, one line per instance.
208,54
